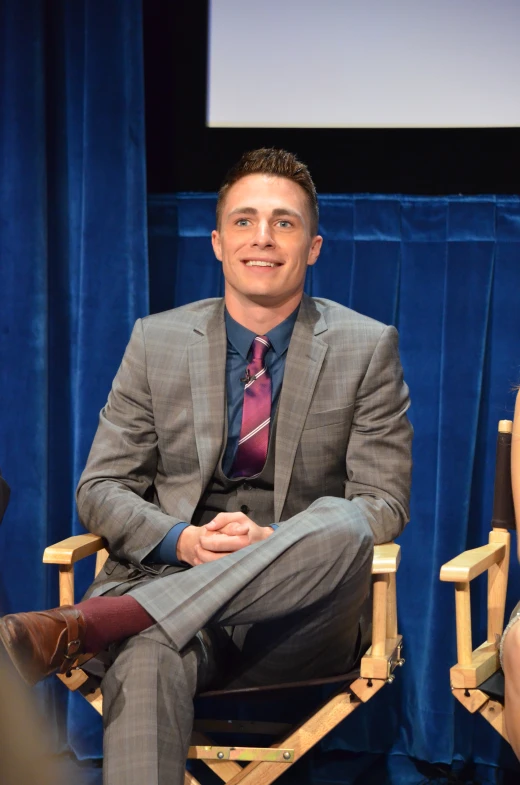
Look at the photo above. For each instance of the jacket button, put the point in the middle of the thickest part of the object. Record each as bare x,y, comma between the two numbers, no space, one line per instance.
244,508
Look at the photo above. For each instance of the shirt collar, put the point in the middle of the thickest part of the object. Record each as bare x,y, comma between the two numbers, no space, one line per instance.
241,338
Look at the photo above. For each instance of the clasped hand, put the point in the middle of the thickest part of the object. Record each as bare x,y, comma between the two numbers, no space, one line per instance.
226,533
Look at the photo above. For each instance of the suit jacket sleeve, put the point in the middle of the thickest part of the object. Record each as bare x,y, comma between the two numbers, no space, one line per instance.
377,475
379,450
122,465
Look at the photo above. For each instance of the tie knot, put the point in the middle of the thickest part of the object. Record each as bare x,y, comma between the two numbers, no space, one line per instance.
259,348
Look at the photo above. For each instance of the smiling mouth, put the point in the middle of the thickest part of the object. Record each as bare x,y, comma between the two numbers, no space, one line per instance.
260,263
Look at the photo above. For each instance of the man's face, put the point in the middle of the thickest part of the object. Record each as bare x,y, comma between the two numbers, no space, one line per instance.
264,241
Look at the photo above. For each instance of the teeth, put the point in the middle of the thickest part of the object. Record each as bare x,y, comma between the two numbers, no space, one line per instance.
260,264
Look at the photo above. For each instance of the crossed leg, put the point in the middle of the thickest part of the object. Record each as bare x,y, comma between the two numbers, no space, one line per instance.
294,600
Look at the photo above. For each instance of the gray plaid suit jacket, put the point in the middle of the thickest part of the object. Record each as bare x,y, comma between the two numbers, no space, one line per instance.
342,429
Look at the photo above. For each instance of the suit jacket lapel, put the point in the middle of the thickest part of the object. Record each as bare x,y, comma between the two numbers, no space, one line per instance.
304,360
207,364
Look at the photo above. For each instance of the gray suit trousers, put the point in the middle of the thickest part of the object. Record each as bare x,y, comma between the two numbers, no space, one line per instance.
294,601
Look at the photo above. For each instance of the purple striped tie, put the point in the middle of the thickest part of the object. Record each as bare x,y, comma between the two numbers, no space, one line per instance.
256,414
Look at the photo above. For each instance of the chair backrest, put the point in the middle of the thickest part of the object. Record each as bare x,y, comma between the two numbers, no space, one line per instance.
503,509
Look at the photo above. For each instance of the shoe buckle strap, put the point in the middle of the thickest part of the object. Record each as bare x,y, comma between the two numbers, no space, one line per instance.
72,628
72,649
73,646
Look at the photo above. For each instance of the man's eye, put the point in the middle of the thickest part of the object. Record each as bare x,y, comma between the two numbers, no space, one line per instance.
284,224
243,222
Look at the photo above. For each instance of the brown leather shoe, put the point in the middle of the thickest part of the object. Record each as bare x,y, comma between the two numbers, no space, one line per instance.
40,643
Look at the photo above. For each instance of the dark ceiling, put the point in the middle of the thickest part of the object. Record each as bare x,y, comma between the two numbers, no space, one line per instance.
184,155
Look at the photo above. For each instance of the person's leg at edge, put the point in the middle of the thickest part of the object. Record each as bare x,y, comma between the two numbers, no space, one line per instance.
511,665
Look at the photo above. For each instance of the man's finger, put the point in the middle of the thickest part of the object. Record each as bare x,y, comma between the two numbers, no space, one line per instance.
229,528
219,521
224,518
216,543
234,528
203,556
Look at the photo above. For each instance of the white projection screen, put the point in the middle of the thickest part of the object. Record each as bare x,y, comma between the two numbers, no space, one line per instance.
364,63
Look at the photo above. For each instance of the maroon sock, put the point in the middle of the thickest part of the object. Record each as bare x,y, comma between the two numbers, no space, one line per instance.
112,619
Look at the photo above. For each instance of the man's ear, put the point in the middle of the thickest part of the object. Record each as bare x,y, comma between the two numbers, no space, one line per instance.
315,249
215,242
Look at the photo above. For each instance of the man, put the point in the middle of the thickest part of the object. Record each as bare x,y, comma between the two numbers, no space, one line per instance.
251,452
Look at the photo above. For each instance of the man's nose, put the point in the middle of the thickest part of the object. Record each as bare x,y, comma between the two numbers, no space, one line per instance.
263,236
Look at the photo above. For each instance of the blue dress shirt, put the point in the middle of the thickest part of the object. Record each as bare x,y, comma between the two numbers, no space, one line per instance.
239,340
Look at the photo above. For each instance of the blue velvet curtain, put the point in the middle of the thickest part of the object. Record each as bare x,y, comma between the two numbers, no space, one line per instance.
73,264
446,272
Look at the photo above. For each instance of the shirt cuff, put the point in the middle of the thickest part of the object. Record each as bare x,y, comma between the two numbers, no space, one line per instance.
274,526
166,551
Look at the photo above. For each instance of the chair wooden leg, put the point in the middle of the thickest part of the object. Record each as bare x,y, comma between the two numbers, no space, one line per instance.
493,712
477,701
391,609
302,739
472,700
379,614
66,576
463,615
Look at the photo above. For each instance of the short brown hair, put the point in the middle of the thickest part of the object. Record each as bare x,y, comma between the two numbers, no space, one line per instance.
279,163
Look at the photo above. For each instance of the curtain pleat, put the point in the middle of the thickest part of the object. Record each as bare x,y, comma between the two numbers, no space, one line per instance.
23,304
446,272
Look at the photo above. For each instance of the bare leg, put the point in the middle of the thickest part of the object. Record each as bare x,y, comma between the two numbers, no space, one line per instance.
511,664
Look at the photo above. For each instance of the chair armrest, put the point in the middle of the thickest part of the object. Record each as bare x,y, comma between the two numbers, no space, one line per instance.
469,564
73,549
386,558
475,666
385,651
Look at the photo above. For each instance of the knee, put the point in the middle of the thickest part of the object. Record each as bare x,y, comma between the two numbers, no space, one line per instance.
139,665
139,650
344,537
511,654
350,534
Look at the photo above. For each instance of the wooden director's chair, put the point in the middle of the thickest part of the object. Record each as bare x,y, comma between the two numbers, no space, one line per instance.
266,764
477,680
